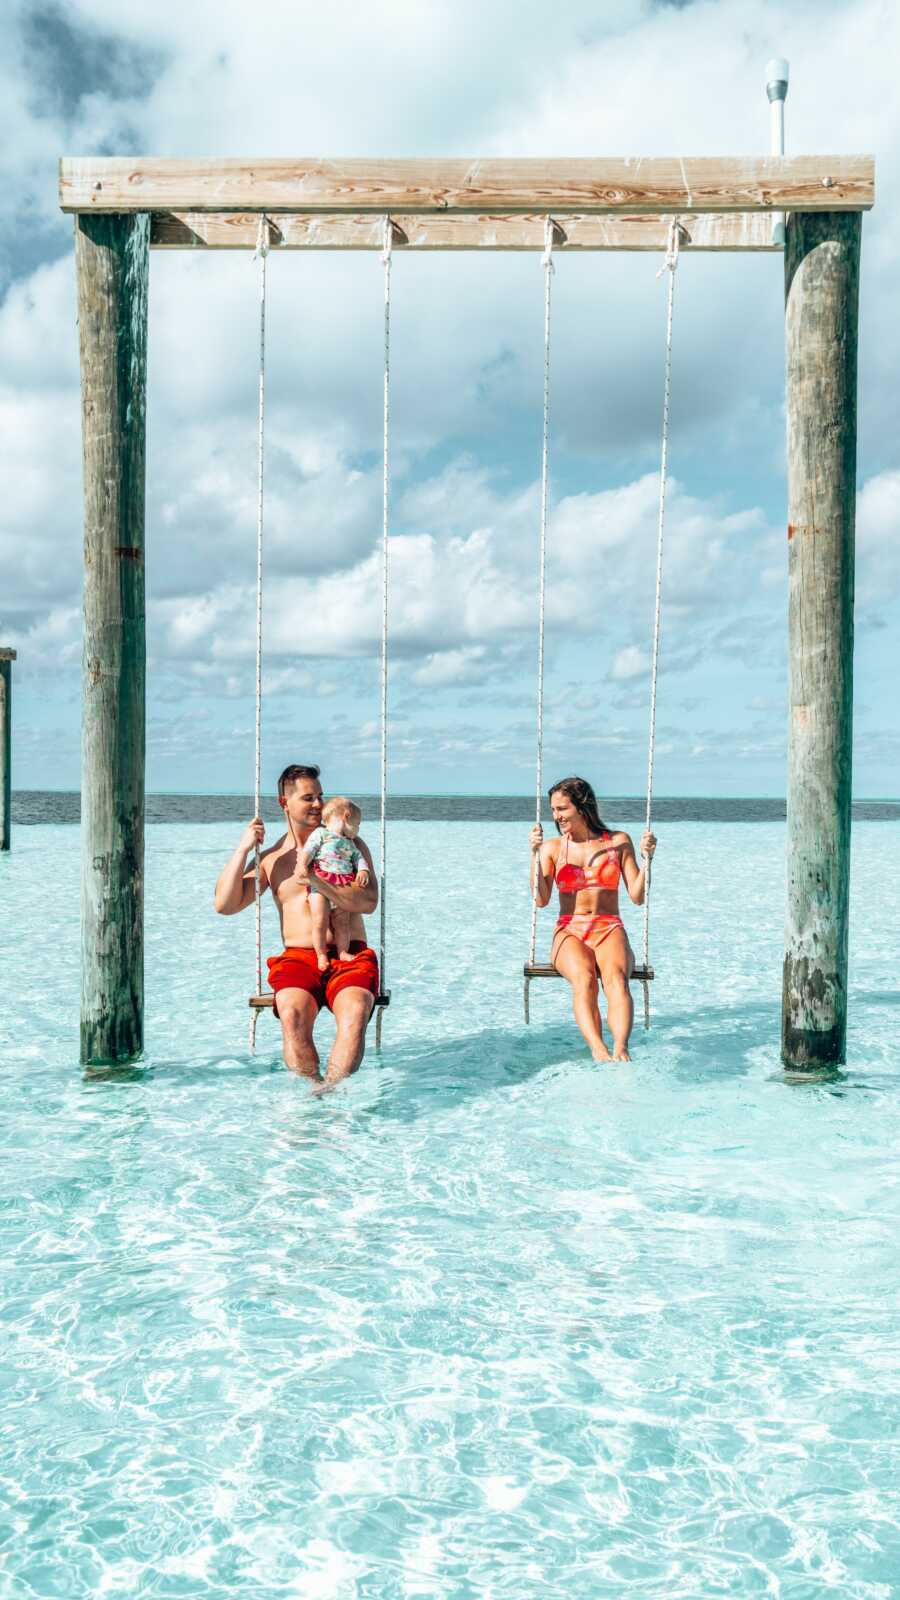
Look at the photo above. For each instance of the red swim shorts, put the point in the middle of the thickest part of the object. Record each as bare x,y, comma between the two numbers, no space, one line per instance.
297,968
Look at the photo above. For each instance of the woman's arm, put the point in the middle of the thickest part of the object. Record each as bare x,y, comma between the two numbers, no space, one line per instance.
635,876
543,865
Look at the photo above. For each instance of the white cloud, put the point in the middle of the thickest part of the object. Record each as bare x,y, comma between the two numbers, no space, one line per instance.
466,354
452,666
454,593
630,663
878,540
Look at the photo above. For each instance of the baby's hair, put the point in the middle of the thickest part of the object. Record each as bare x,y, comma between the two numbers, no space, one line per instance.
346,807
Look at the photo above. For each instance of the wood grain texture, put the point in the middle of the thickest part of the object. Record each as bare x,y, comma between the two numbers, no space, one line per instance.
590,186
822,306
199,230
6,660
112,260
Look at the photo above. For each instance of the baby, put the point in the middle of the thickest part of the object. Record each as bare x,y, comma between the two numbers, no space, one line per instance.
331,849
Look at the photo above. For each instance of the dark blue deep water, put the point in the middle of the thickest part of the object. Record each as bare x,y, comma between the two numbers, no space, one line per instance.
34,806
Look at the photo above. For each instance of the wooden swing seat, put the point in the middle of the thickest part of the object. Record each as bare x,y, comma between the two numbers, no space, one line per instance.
639,975
265,1002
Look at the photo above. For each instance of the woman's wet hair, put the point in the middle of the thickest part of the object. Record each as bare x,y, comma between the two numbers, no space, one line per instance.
583,798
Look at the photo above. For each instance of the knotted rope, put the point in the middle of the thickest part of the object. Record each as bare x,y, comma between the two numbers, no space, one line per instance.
261,253
547,263
669,265
385,525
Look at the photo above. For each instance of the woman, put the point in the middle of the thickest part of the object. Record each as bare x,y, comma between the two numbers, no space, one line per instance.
588,863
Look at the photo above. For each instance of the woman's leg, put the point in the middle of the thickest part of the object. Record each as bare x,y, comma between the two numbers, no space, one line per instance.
576,963
615,964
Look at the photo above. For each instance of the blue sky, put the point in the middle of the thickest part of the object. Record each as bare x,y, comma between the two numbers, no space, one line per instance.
458,79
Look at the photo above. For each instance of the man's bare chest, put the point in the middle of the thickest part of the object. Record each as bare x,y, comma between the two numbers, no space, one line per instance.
282,881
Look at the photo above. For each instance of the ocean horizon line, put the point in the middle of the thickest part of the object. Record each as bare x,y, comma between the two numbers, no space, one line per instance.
32,807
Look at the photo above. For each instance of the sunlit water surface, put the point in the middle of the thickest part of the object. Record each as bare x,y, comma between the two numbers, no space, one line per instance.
488,1322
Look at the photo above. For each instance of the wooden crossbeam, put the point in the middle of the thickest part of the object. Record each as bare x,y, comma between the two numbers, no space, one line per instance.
189,230
585,185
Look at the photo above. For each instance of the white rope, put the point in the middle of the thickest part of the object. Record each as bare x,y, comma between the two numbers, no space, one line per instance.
262,250
669,266
385,527
547,262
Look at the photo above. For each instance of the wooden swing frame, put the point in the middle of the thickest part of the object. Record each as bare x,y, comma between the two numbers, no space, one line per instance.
124,207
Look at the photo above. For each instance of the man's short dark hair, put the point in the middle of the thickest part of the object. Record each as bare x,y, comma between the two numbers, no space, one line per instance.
292,775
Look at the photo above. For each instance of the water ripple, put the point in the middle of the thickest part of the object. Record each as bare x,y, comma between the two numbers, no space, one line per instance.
487,1323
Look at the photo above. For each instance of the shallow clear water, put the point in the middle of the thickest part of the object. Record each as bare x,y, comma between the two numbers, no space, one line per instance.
489,1321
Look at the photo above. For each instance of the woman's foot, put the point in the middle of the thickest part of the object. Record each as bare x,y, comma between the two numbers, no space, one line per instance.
344,955
620,1052
323,963
600,1053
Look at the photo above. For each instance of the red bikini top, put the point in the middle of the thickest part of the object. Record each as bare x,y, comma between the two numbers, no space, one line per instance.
607,875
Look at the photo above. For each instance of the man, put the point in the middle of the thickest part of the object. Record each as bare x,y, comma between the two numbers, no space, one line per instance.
348,988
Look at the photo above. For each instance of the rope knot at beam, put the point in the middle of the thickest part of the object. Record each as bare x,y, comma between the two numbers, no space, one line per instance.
263,238
549,241
677,236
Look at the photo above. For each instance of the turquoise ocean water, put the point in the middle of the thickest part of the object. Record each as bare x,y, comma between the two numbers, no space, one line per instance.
488,1322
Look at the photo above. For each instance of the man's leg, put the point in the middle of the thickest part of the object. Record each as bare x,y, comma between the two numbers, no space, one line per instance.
297,1012
352,1009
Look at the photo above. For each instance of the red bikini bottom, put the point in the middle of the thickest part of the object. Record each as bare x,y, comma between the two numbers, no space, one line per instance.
589,927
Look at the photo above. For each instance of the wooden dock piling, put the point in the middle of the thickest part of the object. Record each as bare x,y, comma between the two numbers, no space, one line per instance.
112,263
822,303
7,657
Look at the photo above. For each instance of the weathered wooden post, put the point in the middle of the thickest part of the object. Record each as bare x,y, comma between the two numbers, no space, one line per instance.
7,657
112,263
822,300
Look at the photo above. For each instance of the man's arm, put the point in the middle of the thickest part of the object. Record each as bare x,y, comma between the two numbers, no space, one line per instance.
235,888
355,897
